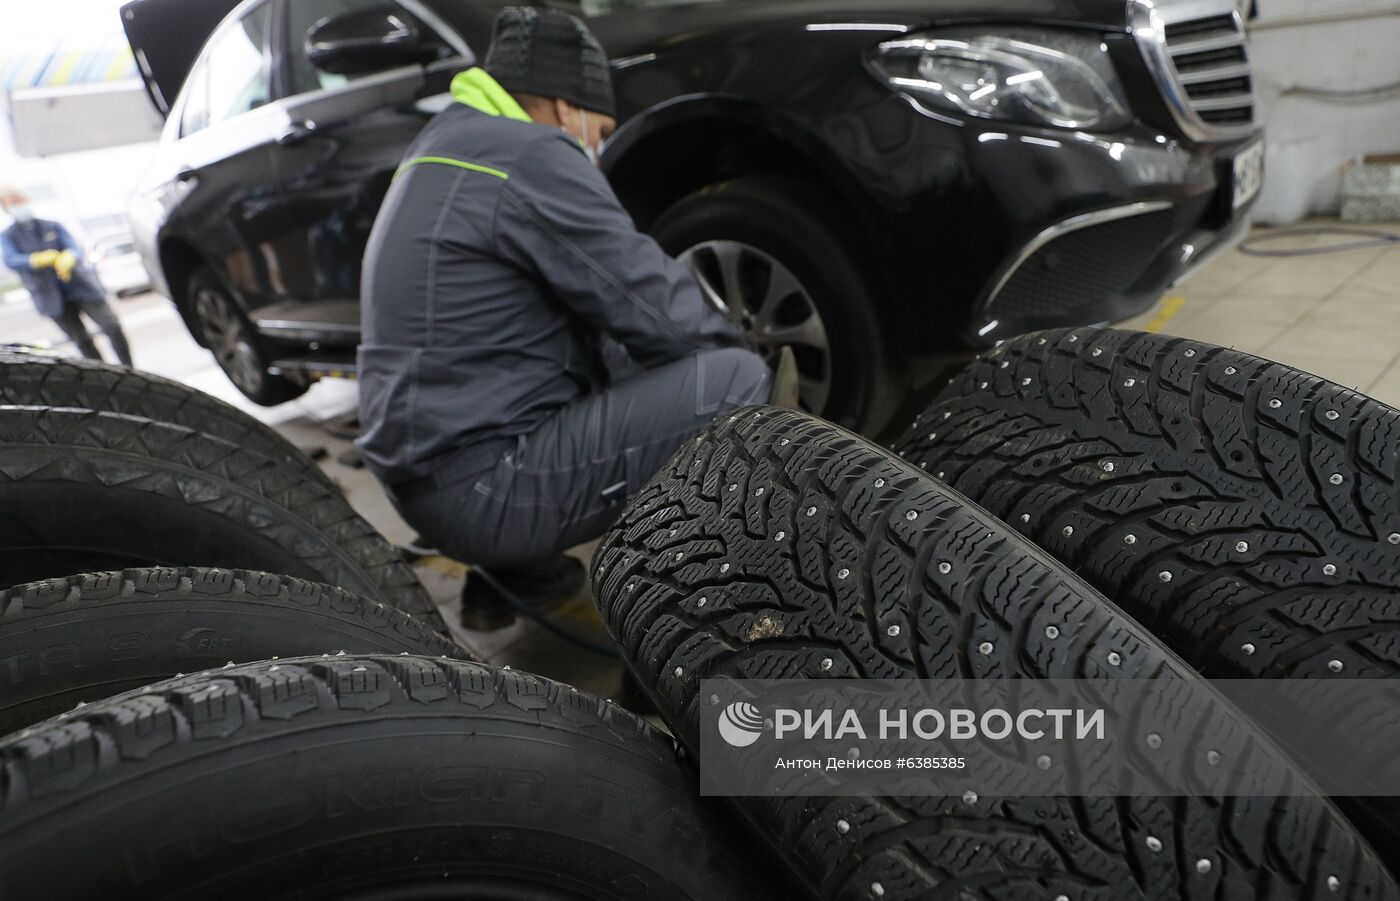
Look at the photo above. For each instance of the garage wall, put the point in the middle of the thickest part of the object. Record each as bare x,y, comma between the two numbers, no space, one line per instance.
1303,51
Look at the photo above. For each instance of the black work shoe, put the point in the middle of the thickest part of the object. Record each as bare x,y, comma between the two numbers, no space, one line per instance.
541,588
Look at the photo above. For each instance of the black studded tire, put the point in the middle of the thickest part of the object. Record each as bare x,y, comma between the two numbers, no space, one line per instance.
85,491
851,563
88,637
370,776
39,380
1245,511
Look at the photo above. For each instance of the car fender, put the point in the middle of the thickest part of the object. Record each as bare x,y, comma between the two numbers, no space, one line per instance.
690,110
179,255
649,176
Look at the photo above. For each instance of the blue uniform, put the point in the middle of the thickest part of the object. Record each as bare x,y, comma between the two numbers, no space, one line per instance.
62,301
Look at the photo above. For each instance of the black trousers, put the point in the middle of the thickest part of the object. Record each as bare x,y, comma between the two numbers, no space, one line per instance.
102,316
565,482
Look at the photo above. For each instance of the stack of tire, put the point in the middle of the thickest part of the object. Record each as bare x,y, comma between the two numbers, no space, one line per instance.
218,681
1170,511
364,757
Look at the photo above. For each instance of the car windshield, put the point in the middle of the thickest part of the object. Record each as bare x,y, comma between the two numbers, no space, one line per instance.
608,7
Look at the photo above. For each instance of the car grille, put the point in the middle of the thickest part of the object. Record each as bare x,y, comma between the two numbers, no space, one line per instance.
1212,68
1201,63
1082,270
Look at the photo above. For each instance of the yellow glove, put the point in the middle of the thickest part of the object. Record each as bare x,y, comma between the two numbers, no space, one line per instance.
65,264
44,259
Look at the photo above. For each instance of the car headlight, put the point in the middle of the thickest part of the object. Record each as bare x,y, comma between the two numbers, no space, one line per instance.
1063,79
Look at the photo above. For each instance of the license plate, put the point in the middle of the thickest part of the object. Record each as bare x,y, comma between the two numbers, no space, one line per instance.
1249,174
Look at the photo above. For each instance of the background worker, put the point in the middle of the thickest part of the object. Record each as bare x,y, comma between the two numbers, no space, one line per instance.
499,273
53,270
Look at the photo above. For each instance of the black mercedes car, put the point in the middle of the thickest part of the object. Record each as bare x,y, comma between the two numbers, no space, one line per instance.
864,182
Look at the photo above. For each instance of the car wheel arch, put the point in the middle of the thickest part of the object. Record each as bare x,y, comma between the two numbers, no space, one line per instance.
179,261
709,141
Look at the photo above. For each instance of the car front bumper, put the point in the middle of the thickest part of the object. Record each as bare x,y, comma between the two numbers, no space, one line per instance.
1102,227
1004,230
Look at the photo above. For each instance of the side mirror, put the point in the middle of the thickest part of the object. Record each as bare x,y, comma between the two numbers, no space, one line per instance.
368,40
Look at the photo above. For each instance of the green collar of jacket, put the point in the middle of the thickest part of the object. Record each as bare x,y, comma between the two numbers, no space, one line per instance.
480,91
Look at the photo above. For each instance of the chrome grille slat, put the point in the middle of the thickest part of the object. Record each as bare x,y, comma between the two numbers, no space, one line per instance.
1204,45
1194,62
1191,77
1181,22
1223,102
1226,118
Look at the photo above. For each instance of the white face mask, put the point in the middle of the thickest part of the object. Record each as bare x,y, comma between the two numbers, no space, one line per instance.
588,150
21,212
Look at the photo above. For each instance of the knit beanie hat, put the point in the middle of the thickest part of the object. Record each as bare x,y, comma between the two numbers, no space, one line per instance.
552,54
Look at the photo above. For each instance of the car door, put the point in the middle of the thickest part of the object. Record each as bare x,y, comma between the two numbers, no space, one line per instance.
344,139
220,166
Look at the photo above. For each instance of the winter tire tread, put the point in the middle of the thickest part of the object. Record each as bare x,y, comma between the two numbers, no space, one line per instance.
777,604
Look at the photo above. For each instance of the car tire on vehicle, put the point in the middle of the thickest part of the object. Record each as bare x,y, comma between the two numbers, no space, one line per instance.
38,380
87,491
240,351
88,637
769,242
360,776
1246,511
777,546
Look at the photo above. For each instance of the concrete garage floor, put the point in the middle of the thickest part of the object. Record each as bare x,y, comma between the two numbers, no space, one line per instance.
1336,315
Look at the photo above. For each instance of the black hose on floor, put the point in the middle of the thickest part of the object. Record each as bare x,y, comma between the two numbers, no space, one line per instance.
1367,239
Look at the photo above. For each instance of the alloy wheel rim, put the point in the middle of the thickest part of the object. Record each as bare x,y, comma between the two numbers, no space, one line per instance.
229,340
756,292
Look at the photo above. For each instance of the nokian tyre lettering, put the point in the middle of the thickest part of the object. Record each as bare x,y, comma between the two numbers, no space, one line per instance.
34,380
364,776
1245,511
96,491
853,561
88,637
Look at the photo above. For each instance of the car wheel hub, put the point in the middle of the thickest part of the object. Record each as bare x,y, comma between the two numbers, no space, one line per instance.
759,294
229,341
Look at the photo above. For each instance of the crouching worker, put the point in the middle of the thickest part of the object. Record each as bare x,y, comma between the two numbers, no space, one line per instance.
500,269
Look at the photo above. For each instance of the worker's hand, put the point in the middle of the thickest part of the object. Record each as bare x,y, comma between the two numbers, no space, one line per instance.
65,264
43,259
